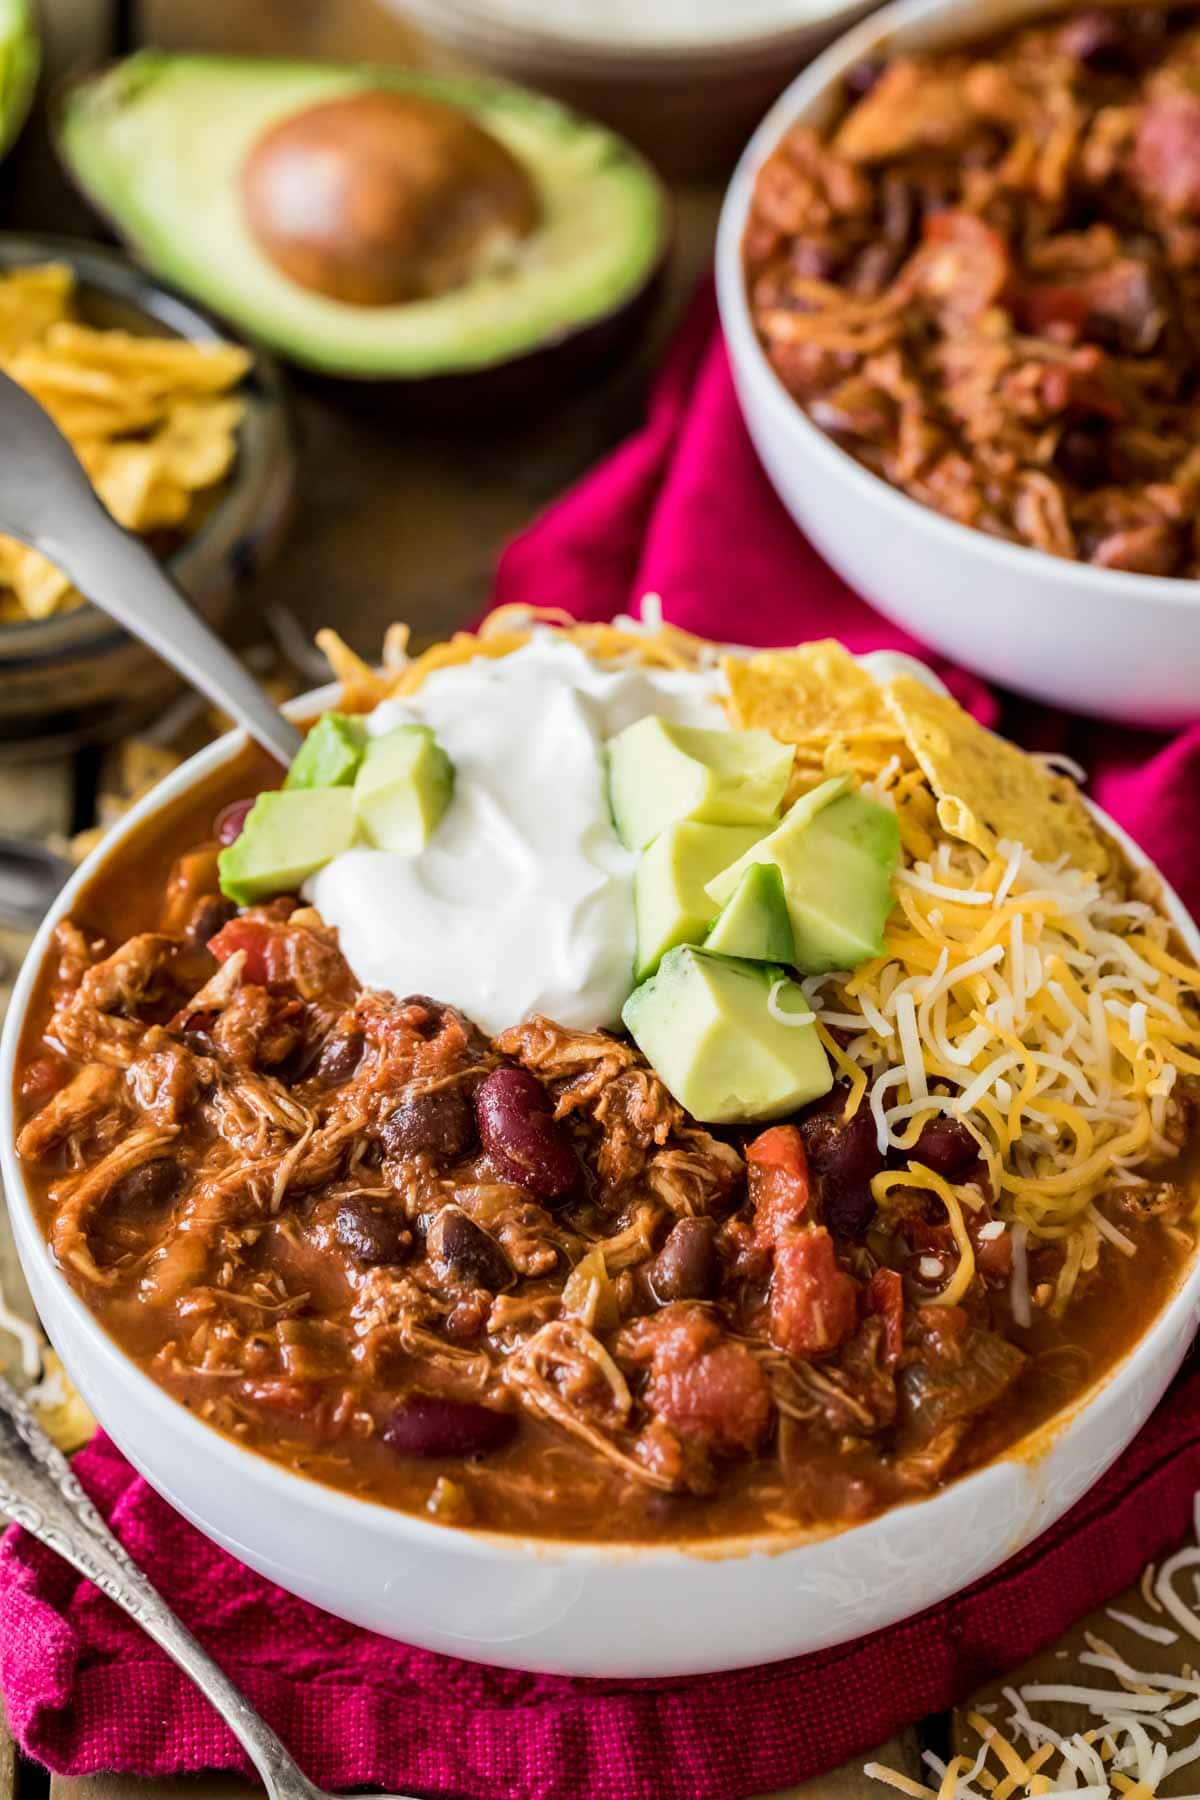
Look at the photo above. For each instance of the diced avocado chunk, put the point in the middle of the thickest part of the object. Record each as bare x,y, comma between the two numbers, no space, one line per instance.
704,1023
330,754
659,773
797,819
403,788
836,861
669,900
755,922
287,837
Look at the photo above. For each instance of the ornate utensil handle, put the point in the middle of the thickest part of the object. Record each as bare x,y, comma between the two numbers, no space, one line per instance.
39,1492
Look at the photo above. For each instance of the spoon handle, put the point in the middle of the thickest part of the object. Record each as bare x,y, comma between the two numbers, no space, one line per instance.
117,572
39,1492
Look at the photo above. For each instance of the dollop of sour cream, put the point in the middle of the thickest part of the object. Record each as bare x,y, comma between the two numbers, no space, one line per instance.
522,901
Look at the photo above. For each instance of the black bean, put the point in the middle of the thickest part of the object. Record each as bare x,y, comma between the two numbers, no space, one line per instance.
522,1136
1082,457
946,1147
373,1233
208,915
848,1210
687,1267
426,1426
861,76
340,1056
147,1187
438,1123
814,259
460,1248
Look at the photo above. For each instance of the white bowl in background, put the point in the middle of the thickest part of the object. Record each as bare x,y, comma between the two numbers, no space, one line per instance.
1095,640
570,1608
687,100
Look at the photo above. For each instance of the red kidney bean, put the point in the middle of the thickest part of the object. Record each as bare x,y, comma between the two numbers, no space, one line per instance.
844,1155
373,1235
227,826
946,1147
841,1151
438,1123
687,1267
426,1426
522,1136
1096,38
460,1248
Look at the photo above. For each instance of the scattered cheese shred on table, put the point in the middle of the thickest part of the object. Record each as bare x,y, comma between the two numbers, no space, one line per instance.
1141,1727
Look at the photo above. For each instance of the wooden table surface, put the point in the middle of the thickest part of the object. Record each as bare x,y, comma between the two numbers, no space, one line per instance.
396,522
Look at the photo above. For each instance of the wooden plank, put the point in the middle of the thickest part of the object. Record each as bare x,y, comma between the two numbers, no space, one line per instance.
36,801
1061,1664
169,1787
902,1753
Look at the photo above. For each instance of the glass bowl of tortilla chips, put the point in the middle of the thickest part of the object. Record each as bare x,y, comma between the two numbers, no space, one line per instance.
184,430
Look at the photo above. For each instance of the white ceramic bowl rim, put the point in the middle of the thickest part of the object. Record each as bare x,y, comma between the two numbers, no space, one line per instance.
554,41
808,89
1122,1379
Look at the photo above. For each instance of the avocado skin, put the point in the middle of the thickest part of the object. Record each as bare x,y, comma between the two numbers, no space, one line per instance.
503,360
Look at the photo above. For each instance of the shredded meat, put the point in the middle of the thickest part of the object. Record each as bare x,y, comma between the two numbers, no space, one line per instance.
985,282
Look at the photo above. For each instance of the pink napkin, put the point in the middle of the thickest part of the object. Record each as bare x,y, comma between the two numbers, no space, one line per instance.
682,509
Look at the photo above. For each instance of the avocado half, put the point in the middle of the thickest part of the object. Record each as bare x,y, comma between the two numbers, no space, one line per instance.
20,59
158,143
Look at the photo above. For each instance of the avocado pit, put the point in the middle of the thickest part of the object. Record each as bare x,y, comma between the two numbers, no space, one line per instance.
378,198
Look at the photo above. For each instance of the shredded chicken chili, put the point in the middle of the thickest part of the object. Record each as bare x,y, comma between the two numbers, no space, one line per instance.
510,1283
983,282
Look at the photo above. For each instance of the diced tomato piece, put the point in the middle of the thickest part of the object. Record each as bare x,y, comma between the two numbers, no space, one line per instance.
885,1299
814,1302
708,1389
780,1190
1052,303
965,267
250,935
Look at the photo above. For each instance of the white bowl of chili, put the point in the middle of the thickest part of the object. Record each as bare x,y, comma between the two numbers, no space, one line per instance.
1096,639
574,1607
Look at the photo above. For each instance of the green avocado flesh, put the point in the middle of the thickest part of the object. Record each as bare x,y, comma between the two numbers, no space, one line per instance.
402,790
158,143
19,62
755,922
331,753
705,1025
836,853
659,772
287,837
669,900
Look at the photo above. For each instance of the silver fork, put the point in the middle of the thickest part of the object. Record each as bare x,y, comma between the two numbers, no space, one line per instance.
48,502
39,1492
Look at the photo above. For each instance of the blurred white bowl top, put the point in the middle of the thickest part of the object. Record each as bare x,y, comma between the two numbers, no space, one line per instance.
633,27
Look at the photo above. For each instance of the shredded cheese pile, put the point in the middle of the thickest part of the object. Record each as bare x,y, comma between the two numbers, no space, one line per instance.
1045,1010
1143,1725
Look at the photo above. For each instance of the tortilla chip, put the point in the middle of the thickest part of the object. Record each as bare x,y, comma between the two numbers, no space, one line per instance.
814,691
31,300
147,416
987,789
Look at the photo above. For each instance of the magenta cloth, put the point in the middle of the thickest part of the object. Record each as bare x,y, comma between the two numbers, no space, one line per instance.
684,510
